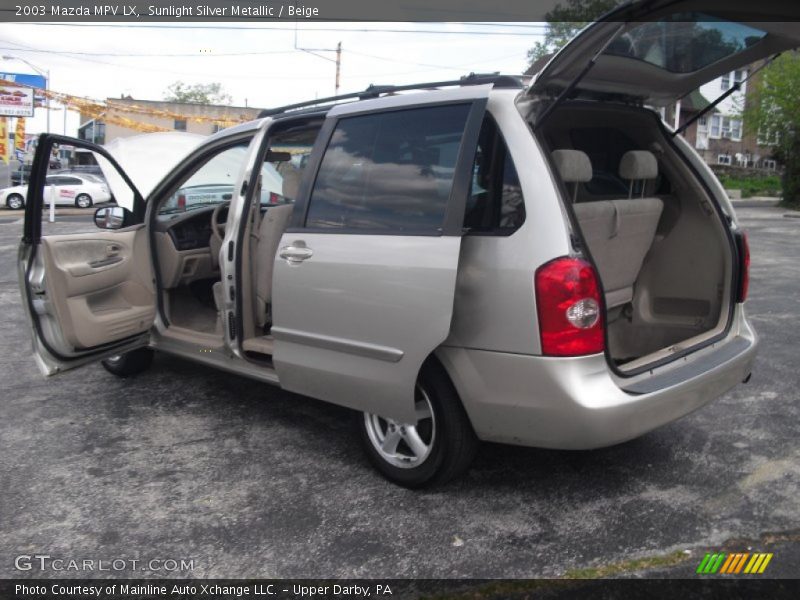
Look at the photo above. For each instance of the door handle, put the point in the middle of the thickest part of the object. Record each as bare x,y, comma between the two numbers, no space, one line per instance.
105,262
296,253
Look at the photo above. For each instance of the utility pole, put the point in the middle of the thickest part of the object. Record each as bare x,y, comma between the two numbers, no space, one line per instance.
338,66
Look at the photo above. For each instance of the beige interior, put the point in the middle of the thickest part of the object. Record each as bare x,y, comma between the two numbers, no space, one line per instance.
99,285
663,257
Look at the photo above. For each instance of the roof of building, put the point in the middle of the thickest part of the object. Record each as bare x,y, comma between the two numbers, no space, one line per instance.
695,102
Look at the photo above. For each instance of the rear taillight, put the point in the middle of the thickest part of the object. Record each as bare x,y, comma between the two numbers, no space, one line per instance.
744,267
274,198
182,202
570,308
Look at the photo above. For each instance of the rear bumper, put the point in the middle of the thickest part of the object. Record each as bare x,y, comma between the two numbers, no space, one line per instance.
576,403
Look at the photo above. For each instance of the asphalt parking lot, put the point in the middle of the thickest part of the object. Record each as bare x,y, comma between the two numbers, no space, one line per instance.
248,481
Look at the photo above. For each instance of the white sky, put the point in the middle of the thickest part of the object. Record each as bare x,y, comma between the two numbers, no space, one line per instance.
280,75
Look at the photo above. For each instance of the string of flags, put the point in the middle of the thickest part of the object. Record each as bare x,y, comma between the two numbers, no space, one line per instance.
114,113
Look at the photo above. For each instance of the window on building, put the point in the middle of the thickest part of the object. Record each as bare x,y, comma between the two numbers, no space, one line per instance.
724,159
716,125
100,134
725,127
495,203
180,125
769,164
729,79
768,138
389,172
735,129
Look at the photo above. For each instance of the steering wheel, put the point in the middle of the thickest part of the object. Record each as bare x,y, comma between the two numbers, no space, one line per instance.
217,228
217,233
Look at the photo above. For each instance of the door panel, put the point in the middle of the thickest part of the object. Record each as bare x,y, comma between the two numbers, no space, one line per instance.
99,285
363,292
354,323
87,295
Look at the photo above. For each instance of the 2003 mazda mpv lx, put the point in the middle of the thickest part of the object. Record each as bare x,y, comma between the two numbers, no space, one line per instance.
546,265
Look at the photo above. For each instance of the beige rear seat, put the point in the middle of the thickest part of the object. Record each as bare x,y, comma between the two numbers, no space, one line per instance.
619,233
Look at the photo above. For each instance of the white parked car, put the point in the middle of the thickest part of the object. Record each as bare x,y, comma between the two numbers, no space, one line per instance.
82,191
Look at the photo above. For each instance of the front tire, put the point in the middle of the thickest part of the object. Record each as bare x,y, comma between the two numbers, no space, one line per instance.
130,363
438,448
83,201
15,202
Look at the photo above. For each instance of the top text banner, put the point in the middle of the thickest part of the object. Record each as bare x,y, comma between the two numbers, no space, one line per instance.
317,10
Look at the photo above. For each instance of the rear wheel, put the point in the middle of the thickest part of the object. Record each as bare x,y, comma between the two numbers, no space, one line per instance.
130,363
432,451
15,201
83,201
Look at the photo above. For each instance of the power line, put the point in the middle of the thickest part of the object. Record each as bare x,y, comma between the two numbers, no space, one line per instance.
159,55
271,28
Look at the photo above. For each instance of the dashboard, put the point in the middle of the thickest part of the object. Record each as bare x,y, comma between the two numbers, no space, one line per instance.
189,230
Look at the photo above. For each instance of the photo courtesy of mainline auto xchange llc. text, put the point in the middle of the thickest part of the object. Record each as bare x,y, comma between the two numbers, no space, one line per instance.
374,299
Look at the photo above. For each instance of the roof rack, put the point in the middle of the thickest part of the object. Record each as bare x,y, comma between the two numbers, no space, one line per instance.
375,91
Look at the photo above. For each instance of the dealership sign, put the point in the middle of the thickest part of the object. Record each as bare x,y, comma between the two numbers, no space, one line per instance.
15,100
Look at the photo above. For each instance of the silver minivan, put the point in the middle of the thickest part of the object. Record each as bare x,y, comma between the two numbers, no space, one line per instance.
538,263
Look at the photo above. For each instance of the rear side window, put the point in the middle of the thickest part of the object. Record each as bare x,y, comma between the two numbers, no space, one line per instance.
389,172
495,204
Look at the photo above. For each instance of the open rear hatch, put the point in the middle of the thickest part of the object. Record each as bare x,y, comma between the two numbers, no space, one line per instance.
658,51
670,262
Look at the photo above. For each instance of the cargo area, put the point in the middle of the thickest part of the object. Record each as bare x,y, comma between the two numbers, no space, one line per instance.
659,244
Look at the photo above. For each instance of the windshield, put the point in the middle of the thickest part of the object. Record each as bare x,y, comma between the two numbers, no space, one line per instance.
685,42
215,182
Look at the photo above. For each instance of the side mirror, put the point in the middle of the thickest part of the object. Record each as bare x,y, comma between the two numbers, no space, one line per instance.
112,217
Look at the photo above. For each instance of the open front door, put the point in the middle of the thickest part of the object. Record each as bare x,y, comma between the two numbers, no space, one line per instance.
364,280
89,294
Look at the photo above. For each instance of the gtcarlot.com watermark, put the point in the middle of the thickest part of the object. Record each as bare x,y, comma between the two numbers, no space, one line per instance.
45,562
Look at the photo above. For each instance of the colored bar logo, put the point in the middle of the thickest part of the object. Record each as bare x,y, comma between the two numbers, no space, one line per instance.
734,564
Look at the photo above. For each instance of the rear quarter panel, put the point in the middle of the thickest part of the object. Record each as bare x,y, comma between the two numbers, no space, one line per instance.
495,307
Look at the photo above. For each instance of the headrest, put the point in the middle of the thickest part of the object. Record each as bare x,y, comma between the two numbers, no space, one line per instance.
573,165
291,184
638,164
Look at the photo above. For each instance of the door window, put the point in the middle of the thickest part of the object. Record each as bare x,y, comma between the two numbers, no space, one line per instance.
389,172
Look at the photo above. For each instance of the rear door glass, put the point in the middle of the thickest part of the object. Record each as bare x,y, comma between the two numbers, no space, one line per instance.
389,172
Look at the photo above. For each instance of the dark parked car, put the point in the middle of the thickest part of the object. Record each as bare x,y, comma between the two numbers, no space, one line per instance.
21,175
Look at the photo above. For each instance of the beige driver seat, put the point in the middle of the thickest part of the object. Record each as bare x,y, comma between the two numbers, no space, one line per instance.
272,227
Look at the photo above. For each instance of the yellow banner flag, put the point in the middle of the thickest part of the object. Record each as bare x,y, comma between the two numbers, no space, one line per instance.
19,135
5,153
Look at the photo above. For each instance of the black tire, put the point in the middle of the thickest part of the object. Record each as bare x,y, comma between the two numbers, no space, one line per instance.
15,201
87,200
130,363
454,443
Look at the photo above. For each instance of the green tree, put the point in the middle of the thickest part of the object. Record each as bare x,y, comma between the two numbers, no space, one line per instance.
773,111
564,21
198,93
